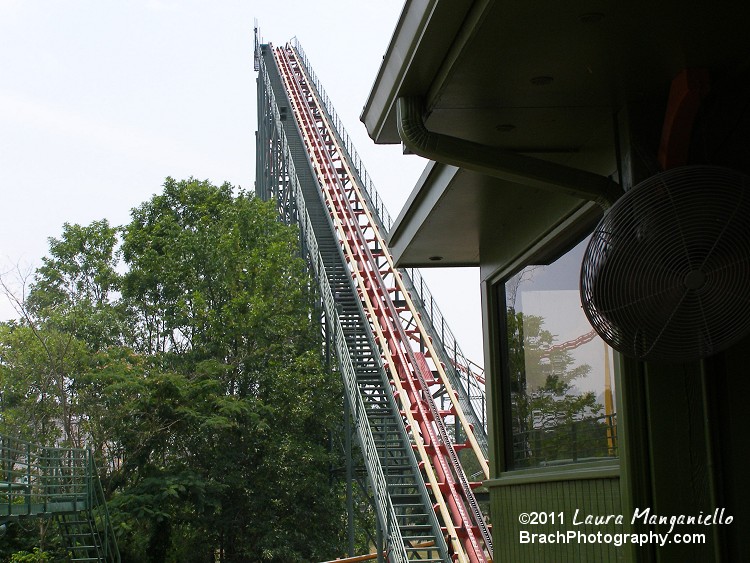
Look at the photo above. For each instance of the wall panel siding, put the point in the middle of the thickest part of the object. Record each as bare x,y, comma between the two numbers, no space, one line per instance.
590,496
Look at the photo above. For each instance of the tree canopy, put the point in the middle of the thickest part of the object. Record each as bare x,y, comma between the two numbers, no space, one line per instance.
183,348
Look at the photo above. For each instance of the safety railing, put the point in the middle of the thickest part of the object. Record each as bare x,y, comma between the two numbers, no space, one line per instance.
395,542
38,479
377,203
469,376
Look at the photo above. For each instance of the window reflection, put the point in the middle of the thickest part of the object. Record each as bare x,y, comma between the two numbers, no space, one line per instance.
561,372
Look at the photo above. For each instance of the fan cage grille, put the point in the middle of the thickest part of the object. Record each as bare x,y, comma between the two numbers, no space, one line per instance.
665,274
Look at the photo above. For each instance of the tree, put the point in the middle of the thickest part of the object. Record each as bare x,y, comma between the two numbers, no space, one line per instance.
36,376
195,377
68,314
216,286
74,290
546,408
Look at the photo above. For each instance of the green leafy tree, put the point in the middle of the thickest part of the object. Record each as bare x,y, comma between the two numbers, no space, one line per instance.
37,367
217,288
75,289
546,408
195,377
35,556
70,312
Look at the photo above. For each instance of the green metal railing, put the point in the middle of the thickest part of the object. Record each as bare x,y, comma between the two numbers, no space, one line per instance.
62,483
586,439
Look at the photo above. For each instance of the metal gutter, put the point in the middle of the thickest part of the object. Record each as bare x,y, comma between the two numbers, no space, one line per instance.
423,36
499,163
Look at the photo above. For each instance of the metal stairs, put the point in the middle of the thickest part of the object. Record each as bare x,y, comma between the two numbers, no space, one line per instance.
81,536
412,507
59,483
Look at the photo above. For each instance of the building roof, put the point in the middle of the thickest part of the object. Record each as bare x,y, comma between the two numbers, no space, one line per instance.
542,79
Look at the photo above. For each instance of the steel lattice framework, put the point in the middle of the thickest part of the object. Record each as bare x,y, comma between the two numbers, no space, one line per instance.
414,400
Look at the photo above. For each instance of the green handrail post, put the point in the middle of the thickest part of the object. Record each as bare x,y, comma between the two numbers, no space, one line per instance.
28,478
90,479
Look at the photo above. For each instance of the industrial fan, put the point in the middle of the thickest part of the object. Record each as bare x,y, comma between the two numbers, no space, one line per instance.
666,274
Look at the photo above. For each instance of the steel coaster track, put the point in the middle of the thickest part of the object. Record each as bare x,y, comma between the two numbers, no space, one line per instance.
413,365
461,372
401,499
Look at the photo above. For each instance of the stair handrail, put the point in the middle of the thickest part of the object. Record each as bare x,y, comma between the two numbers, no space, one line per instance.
99,500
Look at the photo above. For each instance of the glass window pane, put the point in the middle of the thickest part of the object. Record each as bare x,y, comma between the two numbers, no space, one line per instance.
561,372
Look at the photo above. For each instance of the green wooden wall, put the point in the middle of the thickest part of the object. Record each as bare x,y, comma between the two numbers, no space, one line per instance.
590,496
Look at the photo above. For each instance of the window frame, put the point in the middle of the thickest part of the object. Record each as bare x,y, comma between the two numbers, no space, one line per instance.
543,254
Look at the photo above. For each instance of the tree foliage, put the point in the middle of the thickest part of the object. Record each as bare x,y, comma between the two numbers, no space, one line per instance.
195,376
547,410
75,289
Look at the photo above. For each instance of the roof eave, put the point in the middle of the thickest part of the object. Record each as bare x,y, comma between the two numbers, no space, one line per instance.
406,68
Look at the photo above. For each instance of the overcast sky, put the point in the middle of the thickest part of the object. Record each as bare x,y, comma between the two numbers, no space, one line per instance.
100,100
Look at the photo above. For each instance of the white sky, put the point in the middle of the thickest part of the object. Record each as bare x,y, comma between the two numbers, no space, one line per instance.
100,100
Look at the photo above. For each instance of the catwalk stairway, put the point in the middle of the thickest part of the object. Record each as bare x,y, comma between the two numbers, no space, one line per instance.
59,483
